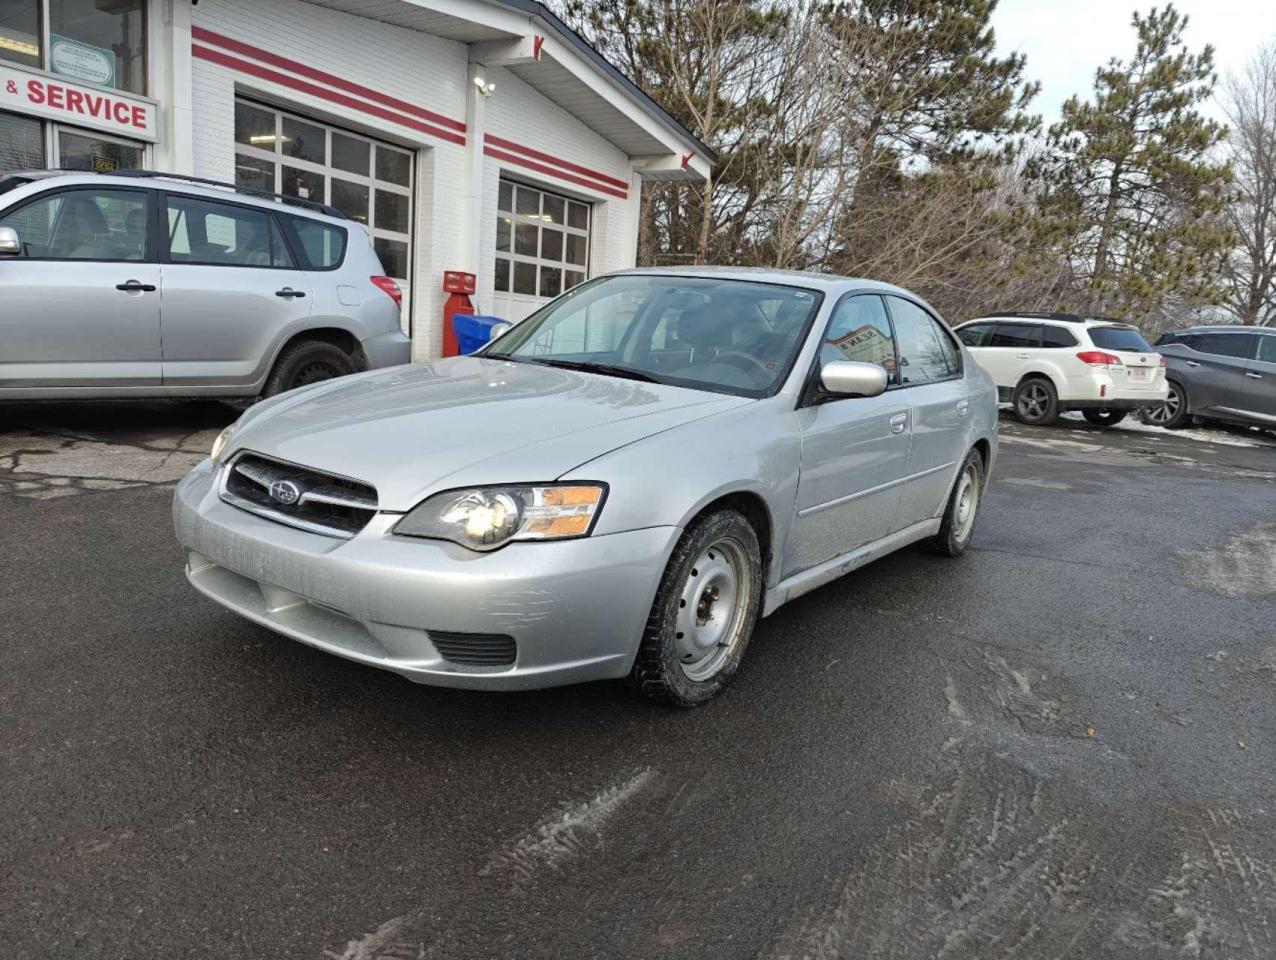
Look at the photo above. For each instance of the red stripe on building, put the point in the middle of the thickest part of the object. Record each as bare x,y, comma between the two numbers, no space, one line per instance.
553,172
513,147
294,66
254,70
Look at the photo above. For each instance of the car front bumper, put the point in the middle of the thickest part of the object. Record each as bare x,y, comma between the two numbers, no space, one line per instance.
575,609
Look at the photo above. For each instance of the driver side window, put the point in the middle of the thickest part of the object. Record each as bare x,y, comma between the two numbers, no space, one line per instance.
82,225
860,330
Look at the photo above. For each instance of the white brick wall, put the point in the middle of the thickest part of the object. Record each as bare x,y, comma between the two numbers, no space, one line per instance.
430,72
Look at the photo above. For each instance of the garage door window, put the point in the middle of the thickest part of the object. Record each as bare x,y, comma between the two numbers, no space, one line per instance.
542,241
367,180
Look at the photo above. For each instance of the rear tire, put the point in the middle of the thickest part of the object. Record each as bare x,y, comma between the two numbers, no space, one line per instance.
1173,413
1104,418
307,362
963,507
703,614
1036,402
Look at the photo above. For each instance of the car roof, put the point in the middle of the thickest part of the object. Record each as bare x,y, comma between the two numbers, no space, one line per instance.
1075,319
1225,328
193,186
827,282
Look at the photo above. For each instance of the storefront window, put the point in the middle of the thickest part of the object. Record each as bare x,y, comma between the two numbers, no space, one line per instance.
86,152
21,143
99,42
20,33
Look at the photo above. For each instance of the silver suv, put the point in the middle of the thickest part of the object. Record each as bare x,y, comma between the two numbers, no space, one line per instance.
143,284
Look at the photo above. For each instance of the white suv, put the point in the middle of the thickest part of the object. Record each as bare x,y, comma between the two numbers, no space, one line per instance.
1045,363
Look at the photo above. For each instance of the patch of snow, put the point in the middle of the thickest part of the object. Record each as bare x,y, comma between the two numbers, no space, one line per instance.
1202,435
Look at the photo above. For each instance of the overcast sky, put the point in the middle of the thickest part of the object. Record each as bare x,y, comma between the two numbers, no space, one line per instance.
1066,40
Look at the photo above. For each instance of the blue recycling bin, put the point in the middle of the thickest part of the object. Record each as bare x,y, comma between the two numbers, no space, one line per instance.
472,331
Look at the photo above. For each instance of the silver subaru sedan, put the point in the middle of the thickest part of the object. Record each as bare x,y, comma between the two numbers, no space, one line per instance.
618,486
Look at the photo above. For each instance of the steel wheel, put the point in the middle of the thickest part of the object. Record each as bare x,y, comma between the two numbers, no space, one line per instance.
1034,400
713,608
313,373
966,502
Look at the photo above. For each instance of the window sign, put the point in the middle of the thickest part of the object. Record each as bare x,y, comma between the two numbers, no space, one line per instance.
82,61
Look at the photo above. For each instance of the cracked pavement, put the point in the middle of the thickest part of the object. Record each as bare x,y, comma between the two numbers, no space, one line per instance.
1061,745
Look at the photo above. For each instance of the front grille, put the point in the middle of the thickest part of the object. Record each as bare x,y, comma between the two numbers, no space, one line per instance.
475,649
298,496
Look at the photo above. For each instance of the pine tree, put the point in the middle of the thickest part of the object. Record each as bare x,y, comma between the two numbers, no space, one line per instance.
1130,178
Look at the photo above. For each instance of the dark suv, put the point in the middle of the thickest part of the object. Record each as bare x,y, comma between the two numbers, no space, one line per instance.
1219,373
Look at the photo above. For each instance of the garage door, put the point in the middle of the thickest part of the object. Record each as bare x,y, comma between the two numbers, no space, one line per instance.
367,180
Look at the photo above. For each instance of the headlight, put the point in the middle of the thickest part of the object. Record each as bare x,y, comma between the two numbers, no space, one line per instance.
484,518
219,445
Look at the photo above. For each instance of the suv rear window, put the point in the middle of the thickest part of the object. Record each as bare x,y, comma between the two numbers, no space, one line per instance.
1018,335
1119,338
1054,336
320,245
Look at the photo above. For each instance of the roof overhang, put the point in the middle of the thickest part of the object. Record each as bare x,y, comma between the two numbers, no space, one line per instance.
527,39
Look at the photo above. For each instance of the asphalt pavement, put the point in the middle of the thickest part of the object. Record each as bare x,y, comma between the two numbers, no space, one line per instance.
1062,744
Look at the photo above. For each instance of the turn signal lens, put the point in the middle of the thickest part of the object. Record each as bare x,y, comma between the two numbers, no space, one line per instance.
484,518
1162,361
220,444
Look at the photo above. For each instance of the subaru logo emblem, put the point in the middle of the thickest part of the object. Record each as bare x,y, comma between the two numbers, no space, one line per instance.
285,492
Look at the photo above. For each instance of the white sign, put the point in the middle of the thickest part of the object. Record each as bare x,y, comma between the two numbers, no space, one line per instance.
52,97
71,58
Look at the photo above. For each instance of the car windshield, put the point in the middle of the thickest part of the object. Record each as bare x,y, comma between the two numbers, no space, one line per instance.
1119,338
728,336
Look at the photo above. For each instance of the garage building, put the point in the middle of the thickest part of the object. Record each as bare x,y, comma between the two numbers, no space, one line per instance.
479,137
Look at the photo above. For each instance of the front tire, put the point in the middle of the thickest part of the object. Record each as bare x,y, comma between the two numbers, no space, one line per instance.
963,506
1173,413
1104,418
307,362
703,614
1036,402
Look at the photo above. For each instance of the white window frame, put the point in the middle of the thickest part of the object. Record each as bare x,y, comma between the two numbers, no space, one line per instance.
539,220
328,171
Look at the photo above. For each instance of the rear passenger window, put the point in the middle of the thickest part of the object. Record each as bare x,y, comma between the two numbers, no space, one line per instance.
974,334
1020,335
1052,336
926,353
860,330
222,234
322,246
1239,345
1267,349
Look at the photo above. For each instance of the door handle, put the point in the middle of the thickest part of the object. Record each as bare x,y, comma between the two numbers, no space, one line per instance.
1254,376
963,407
899,422
1192,363
1023,356
135,286
290,292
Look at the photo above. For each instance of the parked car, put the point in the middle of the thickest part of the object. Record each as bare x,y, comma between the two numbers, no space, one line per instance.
1046,363
1219,373
619,486
141,284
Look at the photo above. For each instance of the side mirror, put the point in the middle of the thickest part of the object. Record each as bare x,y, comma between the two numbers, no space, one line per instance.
852,378
499,330
10,245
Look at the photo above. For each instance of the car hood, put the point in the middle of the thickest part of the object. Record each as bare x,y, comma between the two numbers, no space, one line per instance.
411,431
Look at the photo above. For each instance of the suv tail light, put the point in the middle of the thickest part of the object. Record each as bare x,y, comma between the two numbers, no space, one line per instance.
1162,361
1099,358
391,289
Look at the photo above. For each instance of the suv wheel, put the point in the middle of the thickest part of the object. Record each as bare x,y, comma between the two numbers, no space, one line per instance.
1173,413
307,362
1036,402
1104,418
703,614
